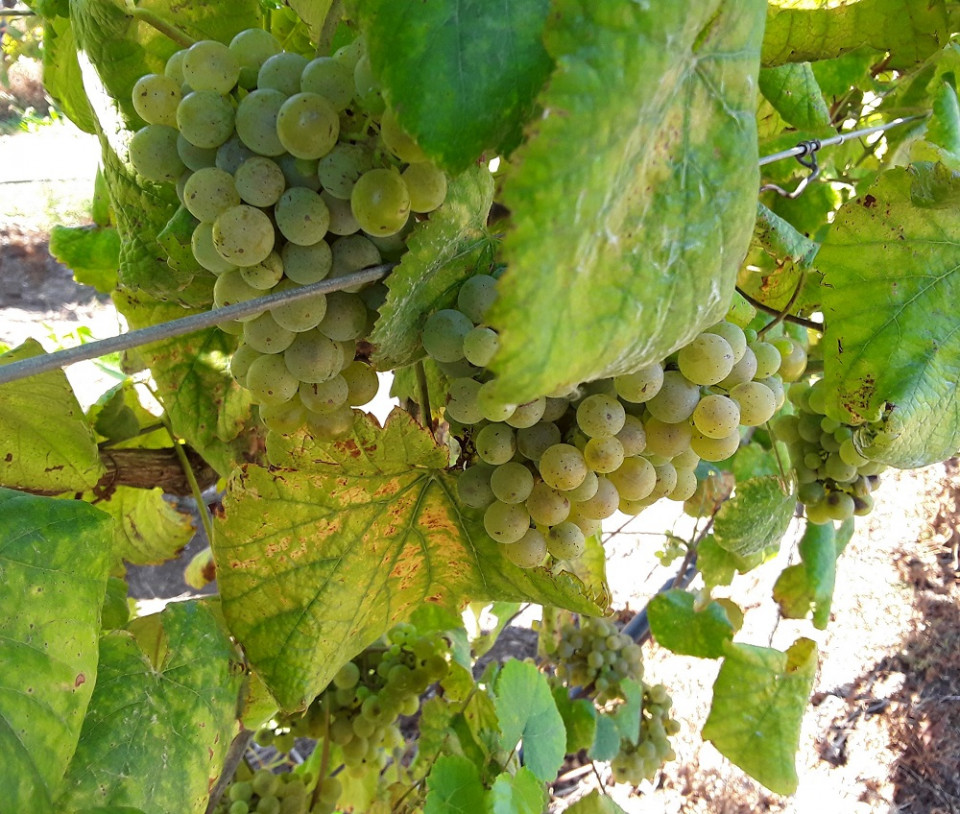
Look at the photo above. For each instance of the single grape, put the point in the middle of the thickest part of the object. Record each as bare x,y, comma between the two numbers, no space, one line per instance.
768,359
206,254
342,221
563,467
686,485
714,449
230,289
205,118
362,383
743,371
307,264
259,181
734,335
585,490
281,72
476,295
473,486
299,172
231,154
269,381
506,522
350,254
301,315
339,170
676,399
793,359
312,357
243,357
666,440
480,345
604,502
443,334
251,48
600,416
496,444
717,416
380,202
208,192
633,437
174,66
756,401
635,479
526,415
641,385
209,65
325,397
195,158
154,155
307,125
256,121
243,235
547,506
156,97
603,454
330,79
398,142
528,551
346,317
331,425
302,216
511,482
707,360
263,334
427,186
533,441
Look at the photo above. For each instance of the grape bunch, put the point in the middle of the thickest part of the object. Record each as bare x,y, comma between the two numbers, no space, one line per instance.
835,480
641,760
294,171
596,655
264,792
547,473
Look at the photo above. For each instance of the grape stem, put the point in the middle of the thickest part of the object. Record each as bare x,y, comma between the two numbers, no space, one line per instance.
234,755
324,756
786,309
427,414
806,323
180,37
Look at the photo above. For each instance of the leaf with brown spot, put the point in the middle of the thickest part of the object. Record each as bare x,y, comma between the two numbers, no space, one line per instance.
315,562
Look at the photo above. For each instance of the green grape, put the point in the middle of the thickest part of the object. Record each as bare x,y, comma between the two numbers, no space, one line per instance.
496,444
268,805
817,397
786,429
352,253
586,490
526,415
600,416
666,440
301,315
269,381
243,235
840,506
398,142
330,790
476,295
533,441
231,155
331,425
263,334
676,399
427,186
835,467
491,407
241,790
281,72
230,289
285,418
362,383
380,202
308,125
367,88
265,783
480,345
325,397
742,372
757,403
205,118
717,416
688,459
349,54
346,317
339,170
633,437
208,192
299,172
330,79
563,467
768,359
251,48
312,357
793,358
259,181
206,254
256,121
243,357
307,264
302,216
342,221
265,275
641,385
462,406
528,551
443,334
174,66
666,480
603,503
734,335
715,449
195,158
547,506
153,153
209,65
603,454
511,482
155,98
635,479
473,486
686,485
506,522
849,454
239,807
707,360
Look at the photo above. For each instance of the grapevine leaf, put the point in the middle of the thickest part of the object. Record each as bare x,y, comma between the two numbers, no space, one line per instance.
92,253
793,91
596,802
454,787
317,560
62,79
759,699
647,215
720,566
176,240
756,517
54,559
205,405
165,697
753,460
445,63
148,530
46,444
579,719
527,711
627,715
441,253
910,30
313,13
891,347
606,744
808,585
520,793
116,611
836,76
944,127
677,625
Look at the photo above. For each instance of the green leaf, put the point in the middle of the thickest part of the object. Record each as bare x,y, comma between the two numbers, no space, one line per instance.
46,445
719,566
758,703
176,240
520,793
205,404
629,229
793,91
92,253
449,62
891,348
679,626
54,559
798,32
944,127
606,744
441,253
836,76
162,715
62,78
313,13
317,560
808,585
116,610
756,517
627,715
579,719
148,529
596,802
527,711
454,787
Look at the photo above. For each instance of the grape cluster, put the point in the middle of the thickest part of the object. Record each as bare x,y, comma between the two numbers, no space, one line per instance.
835,480
264,792
596,655
640,761
294,171
547,473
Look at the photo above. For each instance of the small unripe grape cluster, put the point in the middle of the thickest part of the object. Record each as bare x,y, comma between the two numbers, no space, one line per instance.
267,793
598,656
640,761
547,473
294,172
835,480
